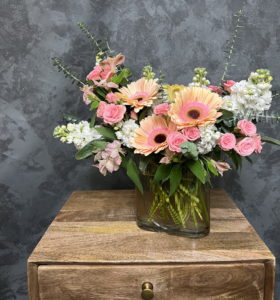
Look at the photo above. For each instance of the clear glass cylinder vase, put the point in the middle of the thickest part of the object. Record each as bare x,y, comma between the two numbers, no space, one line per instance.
186,212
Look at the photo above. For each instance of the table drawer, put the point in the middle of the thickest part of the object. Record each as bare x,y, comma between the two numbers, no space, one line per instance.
195,281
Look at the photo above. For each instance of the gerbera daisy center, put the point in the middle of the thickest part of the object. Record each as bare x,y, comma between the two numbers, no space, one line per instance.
160,138
194,114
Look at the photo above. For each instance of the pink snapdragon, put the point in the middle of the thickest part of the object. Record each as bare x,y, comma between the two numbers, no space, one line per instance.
113,113
245,146
161,109
112,98
228,85
227,141
192,133
110,159
174,140
247,127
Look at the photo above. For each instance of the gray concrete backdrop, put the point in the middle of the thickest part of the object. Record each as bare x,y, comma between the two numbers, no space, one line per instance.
37,173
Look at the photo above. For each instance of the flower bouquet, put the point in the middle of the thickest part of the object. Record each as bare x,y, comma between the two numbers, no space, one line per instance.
170,139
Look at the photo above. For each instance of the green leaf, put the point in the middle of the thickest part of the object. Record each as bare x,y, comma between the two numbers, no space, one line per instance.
93,118
94,104
197,168
226,114
143,164
106,132
162,173
189,150
132,172
175,178
121,78
87,150
270,140
71,119
212,168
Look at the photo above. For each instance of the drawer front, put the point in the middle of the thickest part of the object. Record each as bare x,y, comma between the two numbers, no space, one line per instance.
176,282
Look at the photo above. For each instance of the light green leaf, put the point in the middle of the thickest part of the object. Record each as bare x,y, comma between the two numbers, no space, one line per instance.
175,178
87,150
197,168
122,76
162,173
270,140
132,172
189,150
106,132
212,168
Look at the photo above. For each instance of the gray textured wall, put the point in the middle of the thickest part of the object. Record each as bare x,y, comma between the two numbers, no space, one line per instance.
37,173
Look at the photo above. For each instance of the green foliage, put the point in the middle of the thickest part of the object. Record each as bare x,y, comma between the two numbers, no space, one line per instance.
106,132
175,178
122,77
65,69
197,168
270,140
162,173
101,46
236,158
189,150
88,149
232,43
132,172
70,118
93,118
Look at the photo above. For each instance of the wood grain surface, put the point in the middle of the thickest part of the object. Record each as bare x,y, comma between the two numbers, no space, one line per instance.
95,232
192,282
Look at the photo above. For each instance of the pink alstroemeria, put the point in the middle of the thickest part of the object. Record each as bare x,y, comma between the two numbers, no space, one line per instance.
110,159
221,166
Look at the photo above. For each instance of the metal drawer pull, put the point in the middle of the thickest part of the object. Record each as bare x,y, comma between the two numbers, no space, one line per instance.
147,291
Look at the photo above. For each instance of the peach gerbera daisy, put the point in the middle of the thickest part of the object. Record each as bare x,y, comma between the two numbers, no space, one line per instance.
195,106
152,134
139,93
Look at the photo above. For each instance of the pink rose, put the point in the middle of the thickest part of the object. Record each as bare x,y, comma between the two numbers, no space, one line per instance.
113,113
95,73
228,85
112,98
247,127
258,143
174,140
245,146
161,109
215,89
192,133
100,109
227,141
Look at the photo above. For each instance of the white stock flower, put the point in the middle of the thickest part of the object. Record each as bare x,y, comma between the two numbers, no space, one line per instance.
126,133
209,136
248,98
79,134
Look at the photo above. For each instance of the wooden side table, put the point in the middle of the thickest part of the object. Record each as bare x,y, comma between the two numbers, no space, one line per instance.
94,250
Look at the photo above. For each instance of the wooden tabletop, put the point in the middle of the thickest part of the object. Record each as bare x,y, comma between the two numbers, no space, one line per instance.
98,227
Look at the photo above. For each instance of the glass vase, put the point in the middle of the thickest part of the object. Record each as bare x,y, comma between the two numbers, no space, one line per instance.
186,212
